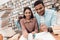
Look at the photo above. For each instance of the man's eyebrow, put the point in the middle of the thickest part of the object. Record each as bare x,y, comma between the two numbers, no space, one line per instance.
36,9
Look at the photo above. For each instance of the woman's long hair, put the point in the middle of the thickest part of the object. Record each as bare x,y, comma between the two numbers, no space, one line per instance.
30,10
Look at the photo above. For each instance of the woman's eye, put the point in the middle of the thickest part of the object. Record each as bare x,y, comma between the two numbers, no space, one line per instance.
26,13
29,12
40,8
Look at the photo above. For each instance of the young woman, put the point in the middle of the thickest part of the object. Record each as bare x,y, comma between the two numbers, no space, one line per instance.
28,24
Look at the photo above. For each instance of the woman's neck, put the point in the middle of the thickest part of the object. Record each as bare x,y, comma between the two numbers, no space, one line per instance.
27,18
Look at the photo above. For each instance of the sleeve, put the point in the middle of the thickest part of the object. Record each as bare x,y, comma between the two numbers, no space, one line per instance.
23,26
53,20
36,26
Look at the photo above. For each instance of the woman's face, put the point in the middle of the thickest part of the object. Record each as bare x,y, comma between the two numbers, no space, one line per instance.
27,13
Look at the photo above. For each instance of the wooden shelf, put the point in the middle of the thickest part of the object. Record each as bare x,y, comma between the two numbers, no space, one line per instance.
5,9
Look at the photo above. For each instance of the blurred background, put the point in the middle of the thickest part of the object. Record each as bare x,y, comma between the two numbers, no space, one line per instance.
11,9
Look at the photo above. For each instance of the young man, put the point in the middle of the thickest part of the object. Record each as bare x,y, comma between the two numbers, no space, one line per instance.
44,16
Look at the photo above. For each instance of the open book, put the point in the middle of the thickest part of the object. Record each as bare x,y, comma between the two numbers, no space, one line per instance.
44,36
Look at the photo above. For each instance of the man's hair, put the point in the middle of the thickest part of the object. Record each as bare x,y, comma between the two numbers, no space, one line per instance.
38,2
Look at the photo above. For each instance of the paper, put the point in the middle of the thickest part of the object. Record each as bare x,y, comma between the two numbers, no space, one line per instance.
44,36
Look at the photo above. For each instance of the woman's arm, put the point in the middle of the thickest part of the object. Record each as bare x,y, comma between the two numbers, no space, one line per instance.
24,31
36,26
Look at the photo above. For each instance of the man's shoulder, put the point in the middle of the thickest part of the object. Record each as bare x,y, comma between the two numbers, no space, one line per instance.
49,10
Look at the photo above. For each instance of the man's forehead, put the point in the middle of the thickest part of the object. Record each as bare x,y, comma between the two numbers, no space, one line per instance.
38,6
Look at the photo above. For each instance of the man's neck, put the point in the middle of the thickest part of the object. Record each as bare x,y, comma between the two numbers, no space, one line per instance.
41,15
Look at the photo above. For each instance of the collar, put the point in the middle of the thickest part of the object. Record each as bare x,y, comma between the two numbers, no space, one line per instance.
28,21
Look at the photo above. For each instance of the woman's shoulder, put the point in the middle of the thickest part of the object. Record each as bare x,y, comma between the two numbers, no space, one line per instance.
34,19
22,19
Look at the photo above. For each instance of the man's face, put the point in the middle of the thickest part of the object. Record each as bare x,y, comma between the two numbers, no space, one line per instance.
40,9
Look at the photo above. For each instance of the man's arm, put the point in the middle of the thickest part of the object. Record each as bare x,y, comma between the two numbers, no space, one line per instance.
53,19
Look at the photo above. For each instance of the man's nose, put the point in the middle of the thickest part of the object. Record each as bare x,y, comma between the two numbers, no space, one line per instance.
38,11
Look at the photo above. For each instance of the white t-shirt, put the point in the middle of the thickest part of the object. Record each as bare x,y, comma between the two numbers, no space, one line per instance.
42,20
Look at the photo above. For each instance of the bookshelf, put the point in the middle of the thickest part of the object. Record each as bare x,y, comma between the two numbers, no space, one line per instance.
18,5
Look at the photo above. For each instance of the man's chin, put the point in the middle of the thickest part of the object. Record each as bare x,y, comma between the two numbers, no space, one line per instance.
41,14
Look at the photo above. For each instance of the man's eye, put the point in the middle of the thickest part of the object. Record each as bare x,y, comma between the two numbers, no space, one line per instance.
36,9
40,8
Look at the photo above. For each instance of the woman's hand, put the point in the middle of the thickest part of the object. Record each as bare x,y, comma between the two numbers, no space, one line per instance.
25,34
33,32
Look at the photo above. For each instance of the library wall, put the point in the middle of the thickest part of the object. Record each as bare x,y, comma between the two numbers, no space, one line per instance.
18,5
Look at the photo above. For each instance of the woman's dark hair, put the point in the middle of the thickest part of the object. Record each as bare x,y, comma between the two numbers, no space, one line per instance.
25,8
38,2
